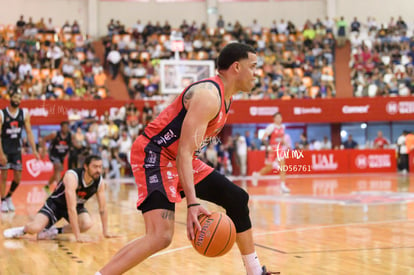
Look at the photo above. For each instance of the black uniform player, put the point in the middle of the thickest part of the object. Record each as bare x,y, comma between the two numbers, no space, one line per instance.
67,201
61,142
12,121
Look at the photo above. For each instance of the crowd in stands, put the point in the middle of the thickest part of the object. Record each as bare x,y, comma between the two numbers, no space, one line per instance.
382,58
293,62
48,62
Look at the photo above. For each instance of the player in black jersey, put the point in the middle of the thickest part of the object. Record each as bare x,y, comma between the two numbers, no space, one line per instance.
61,143
12,121
67,201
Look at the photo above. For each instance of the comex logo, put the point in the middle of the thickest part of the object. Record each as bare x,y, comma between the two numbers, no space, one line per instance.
355,109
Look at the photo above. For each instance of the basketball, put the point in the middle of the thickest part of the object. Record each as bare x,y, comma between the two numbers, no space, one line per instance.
217,235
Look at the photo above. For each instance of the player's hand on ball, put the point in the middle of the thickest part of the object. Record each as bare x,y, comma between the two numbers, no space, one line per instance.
194,210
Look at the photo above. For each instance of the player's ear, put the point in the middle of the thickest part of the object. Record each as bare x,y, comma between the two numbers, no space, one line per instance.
236,66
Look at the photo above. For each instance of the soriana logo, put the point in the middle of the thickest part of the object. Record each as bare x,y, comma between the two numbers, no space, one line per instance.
373,161
35,167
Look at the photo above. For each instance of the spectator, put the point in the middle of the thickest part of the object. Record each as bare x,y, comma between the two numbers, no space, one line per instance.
303,142
124,146
341,34
402,152
355,26
380,142
256,141
220,22
409,142
211,156
114,61
326,144
350,143
241,149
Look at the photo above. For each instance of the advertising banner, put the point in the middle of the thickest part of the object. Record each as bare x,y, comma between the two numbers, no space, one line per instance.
36,170
328,161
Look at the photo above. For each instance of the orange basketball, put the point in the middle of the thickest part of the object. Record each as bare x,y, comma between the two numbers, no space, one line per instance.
217,235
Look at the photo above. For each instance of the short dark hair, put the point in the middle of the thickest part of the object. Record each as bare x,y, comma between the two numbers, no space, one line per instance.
231,53
91,158
277,114
64,122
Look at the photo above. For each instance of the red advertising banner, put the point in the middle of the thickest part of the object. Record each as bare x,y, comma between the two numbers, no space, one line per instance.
329,161
324,110
55,111
247,111
362,161
35,170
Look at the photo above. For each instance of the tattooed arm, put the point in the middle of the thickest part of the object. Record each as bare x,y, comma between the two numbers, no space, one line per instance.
202,102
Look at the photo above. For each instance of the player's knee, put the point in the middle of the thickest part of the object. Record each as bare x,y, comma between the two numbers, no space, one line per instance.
33,228
240,200
163,240
86,225
238,210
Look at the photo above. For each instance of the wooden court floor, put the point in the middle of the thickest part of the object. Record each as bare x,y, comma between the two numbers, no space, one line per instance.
342,224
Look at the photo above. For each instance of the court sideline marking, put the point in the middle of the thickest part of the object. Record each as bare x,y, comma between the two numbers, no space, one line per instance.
293,230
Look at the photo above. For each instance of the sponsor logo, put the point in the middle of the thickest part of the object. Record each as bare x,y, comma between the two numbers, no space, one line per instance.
150,160
373,161
171,175
37,111
355,109
361,161
305,111
173,191
391,107
406,107
153,179
402,107
263,111
204,232
166,137
35,167
324,162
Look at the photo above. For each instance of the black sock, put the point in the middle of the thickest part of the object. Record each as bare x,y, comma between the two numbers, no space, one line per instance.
60,230
13,188
3,199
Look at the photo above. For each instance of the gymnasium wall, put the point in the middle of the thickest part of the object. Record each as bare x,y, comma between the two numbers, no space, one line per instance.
58,10
264,11
245,12
380,9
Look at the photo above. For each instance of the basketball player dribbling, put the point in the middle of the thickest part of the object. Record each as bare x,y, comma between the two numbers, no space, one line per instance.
165,167
276,139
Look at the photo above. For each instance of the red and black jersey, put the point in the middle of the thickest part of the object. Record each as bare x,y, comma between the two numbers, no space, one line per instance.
165,130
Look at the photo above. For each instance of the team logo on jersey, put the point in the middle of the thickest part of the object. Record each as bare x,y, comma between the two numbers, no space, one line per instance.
81,194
